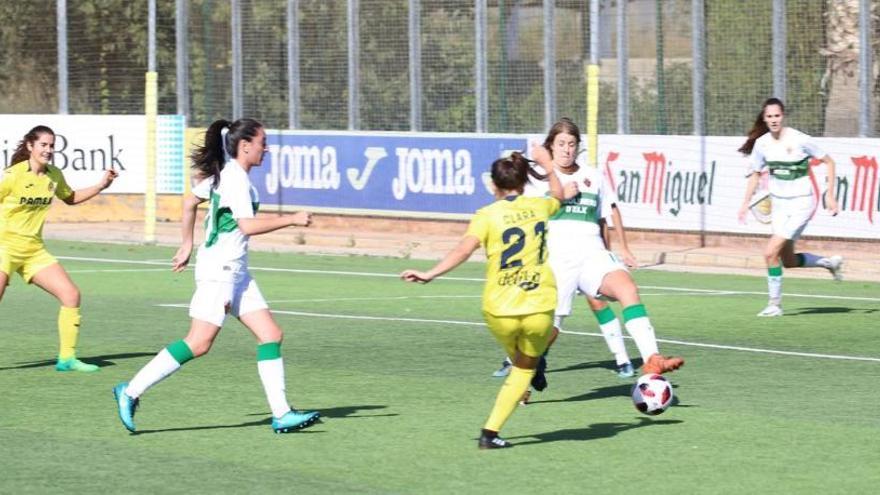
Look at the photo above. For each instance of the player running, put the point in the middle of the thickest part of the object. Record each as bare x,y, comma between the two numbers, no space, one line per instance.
520,291
223,282
26,191
786,153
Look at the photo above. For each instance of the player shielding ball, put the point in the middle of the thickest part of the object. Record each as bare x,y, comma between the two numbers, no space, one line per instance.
223,282
785,153
520,292
27,189
581,261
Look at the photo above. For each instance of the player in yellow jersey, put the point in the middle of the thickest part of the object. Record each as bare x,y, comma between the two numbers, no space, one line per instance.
520,292
26,191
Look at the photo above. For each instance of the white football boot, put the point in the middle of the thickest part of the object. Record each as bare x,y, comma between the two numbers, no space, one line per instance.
771,310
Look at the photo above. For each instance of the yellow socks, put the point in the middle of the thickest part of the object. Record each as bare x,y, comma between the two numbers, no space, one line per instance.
68,331
511,392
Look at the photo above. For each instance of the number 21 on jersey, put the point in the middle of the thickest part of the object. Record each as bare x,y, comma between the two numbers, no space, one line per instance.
515,240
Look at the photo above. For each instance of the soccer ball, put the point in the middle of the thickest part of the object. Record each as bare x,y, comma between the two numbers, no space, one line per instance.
652,394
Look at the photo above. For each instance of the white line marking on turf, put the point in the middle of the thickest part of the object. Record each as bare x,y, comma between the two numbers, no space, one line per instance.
122,270
589,334
388,298
481,280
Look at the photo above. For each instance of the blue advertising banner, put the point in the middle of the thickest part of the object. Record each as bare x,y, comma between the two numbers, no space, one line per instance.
434,175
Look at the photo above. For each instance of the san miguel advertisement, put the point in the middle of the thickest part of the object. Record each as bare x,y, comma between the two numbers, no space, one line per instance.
682,183
693,184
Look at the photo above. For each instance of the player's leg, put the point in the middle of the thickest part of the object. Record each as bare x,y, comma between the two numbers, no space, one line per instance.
619,285
207,311
566,275
613,335
53,279
7,268
773,260
4,282
196,343
254,313
802,210
525,338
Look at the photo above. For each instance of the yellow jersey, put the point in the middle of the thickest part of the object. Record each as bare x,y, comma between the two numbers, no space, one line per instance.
513,232
25,198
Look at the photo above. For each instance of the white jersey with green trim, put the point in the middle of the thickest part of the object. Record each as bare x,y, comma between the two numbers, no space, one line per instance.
574,230
787,160
223,255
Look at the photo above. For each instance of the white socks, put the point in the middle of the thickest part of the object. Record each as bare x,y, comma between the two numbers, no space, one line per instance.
272,375
159,368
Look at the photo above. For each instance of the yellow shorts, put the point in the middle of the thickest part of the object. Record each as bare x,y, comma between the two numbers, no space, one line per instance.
25,262
527,333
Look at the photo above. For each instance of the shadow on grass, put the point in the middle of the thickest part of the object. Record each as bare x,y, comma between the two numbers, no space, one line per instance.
344,412
623,390
260,422
330,412
592,432
100,361
608,365
829,310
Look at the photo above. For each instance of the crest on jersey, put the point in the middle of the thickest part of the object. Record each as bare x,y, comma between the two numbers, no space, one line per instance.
587,182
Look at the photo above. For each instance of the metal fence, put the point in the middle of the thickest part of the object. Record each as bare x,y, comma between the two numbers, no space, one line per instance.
666,66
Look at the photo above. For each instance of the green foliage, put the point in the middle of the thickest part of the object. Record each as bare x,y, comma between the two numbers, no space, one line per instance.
739,64
108,59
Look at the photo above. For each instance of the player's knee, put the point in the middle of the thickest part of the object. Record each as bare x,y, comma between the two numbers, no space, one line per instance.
70,297
200,347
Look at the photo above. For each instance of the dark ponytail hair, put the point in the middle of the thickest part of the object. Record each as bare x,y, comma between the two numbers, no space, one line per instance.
21,152
563,126
759,128
511,173
208,160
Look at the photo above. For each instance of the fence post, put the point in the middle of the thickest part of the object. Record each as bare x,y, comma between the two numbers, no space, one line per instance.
353,65
622,70
549,64
237,106
698,80
61,17
779,48
415,65
181,50
865,69
593,88
293,69
150,112
482,92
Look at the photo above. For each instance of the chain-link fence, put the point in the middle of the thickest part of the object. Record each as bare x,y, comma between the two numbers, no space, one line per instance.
415,64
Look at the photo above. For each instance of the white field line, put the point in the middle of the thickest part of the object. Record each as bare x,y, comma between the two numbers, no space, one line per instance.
466,279
589,334
122,270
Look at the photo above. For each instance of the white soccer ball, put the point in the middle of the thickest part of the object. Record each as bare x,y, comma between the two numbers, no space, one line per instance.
652,394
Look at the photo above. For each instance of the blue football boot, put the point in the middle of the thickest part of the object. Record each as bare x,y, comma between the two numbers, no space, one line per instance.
125,405
626,370
294,420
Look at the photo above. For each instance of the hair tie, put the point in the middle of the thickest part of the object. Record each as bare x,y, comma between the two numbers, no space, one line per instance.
224,132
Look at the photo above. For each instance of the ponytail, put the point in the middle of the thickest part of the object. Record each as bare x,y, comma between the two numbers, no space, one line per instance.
511,173
221,143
